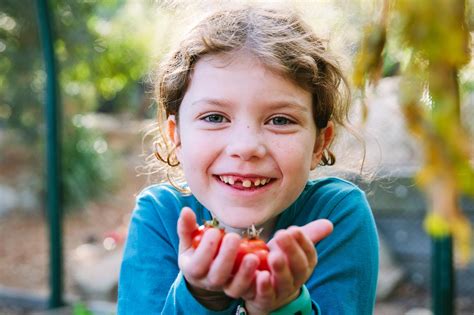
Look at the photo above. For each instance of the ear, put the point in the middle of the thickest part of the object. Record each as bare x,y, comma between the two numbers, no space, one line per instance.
323,140
173,132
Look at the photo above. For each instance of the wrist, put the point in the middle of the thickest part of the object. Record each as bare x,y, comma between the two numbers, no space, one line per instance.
289,299
212,300
301,304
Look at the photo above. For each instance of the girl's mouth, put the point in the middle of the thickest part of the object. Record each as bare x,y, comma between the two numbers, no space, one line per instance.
244,183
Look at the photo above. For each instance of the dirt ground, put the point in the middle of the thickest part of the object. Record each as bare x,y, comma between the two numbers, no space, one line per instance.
25,238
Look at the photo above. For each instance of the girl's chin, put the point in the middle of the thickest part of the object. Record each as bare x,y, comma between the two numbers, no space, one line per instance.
242,223
241,217
239,224
241,227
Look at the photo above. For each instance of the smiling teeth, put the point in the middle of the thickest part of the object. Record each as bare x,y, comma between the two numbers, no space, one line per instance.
247,183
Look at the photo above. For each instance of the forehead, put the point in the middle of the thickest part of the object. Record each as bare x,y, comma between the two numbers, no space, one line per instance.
241,75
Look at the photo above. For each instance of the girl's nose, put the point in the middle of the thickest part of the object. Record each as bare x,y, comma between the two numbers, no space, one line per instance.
246,145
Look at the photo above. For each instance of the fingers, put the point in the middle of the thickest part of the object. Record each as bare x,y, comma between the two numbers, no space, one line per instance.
200,261
264,288
305,244
186,225
292,259
244,278
264,298
221,268
295,266
317,230
283,280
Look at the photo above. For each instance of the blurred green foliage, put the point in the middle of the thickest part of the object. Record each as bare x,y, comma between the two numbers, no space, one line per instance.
102,54
81,309
435,39
89,166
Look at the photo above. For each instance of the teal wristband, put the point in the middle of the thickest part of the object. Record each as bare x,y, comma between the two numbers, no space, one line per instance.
300,305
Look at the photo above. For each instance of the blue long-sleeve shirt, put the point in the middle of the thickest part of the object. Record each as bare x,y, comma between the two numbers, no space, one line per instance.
343,282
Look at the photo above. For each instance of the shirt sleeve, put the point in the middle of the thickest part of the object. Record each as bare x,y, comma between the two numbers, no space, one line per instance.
150,281
345,278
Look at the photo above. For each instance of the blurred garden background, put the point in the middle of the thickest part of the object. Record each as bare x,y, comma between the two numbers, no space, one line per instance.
106,52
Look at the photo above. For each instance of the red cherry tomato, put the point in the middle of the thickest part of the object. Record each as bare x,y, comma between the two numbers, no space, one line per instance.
249,244
198,233
254,246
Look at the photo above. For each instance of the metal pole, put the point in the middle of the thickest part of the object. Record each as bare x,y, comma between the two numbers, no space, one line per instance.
53,157
442,276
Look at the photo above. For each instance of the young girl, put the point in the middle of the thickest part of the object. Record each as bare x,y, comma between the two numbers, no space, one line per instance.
252,99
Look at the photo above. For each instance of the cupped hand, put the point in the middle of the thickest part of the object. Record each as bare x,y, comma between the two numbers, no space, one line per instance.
209,266
292,260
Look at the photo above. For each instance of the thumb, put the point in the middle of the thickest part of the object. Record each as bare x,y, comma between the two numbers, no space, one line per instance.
186,226
318,229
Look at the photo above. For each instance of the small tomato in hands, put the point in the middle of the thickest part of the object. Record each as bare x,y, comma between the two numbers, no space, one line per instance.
250,244
255,246
198,233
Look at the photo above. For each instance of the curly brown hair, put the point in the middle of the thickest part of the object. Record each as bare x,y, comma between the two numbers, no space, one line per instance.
280,39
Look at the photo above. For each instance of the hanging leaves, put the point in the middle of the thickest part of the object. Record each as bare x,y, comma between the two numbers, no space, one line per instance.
436,33
369,61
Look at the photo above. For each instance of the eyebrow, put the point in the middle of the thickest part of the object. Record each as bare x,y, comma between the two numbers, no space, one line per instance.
213,101
275,105
292,104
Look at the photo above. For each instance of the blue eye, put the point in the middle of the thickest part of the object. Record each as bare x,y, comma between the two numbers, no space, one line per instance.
280,121
214,118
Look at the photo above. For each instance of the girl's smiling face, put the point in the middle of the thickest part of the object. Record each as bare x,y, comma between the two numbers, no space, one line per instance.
246,139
